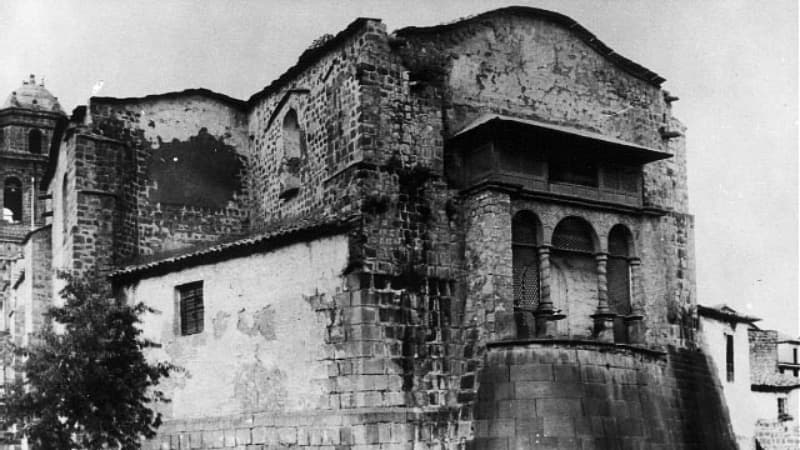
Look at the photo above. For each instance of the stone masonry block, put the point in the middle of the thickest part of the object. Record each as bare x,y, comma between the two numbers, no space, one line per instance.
546,389
531,372
243,436
547,407
558,426
287,435
593,374
495,374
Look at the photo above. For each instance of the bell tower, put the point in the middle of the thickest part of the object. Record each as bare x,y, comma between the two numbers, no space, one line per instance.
27,122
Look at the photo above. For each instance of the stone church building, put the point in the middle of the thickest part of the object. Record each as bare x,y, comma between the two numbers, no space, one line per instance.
473,235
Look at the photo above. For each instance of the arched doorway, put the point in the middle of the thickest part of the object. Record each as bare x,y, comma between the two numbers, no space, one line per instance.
574,275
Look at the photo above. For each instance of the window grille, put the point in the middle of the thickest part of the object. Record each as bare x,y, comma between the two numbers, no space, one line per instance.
574,235
526,277
525,260
191,308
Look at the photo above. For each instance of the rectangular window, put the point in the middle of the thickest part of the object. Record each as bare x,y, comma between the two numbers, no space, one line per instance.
781,407
794,355
729,357
191,308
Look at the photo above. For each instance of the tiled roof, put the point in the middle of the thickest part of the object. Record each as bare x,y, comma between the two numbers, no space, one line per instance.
277,235
725,313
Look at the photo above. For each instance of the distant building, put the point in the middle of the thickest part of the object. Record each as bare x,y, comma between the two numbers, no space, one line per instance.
788,362
762,400
473,235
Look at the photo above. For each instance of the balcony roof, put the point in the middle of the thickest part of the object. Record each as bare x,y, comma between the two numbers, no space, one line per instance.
605,145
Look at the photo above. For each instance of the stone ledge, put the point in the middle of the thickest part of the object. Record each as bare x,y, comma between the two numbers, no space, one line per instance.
577,343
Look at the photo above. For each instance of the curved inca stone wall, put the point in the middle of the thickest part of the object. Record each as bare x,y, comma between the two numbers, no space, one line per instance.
580,394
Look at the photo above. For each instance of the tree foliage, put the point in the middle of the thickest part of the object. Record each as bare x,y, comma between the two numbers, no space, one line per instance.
89,385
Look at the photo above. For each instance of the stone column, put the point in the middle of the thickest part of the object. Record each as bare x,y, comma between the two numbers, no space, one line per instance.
603,317
635,321
545,315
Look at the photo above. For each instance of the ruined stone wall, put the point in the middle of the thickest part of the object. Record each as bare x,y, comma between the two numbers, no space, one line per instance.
184,158
326,96
95,200
428,268
265,344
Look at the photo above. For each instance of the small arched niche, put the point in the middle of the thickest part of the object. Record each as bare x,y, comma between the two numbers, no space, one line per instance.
292,136
293,154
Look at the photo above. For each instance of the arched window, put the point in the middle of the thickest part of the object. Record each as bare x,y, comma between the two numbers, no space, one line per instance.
574,275
35,141
525,259
292,136
619,278
12,200
574,234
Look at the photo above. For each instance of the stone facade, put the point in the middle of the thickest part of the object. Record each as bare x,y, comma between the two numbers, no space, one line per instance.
354,225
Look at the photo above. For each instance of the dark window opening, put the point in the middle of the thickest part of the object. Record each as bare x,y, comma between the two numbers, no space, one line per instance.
573,170
618,277
525,259
621,178
729,357
782,414
64,204
794,355
191,308
35,141
12,200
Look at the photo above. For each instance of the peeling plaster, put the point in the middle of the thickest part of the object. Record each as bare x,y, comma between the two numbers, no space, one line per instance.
260,322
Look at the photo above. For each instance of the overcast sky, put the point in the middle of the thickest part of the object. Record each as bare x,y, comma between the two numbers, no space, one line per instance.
733,63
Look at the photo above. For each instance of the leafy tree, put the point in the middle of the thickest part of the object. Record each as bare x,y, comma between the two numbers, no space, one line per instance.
88,386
